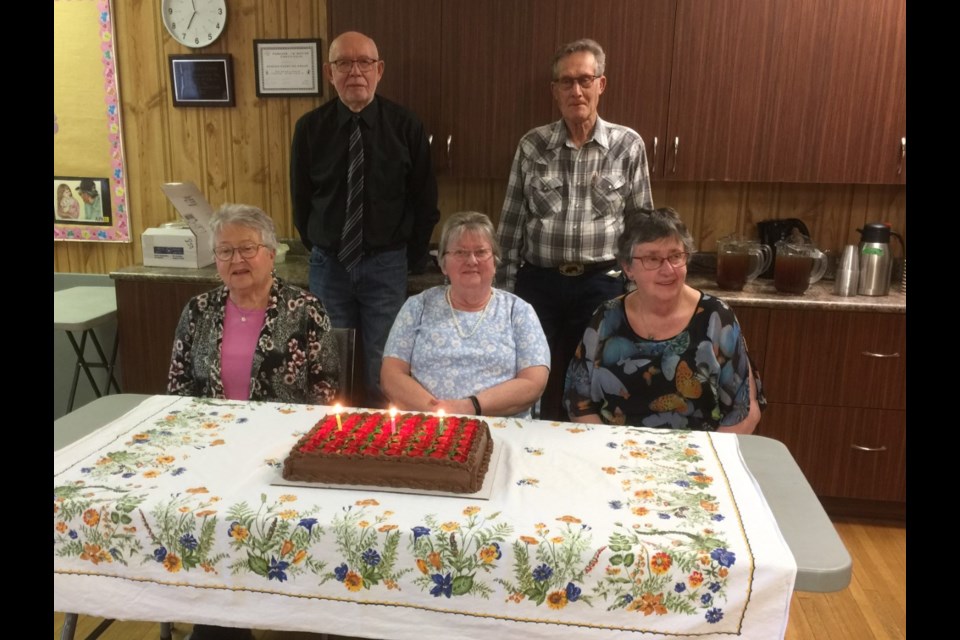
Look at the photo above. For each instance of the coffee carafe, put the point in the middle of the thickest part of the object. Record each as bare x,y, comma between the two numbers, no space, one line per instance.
875,259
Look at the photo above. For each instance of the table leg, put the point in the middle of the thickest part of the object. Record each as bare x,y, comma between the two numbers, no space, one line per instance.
69,626
81,364
103,359
166,631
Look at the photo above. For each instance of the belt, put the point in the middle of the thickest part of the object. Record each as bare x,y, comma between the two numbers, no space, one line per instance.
580,268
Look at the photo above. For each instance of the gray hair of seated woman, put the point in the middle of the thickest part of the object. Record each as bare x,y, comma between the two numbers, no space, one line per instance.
650,226
244,215
463,222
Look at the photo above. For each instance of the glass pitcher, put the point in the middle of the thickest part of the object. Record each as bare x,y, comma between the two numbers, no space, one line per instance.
740,261
797,266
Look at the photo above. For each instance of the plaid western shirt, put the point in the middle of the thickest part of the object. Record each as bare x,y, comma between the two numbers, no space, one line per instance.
565,204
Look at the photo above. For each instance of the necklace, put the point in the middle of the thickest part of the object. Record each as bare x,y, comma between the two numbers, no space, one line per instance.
243,314
456,323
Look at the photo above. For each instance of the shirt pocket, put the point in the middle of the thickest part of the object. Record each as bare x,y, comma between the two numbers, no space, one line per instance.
545,196
609,192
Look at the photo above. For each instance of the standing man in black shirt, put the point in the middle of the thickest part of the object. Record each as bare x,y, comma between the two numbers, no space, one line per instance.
364,199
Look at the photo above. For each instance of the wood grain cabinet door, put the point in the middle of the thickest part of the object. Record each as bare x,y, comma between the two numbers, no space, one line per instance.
844,452
844,359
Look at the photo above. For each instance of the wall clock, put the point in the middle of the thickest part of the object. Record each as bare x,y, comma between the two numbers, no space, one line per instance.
194,23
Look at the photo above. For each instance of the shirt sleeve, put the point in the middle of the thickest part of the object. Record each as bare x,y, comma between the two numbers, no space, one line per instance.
640,194
403,333
181,380
421,197
532,347
511,227
577,389
323,356
733,383
301,189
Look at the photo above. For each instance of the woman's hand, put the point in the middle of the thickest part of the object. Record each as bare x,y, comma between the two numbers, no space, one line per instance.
402,390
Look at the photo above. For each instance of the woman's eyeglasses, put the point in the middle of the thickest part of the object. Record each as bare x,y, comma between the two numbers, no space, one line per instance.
650,263
246,251
481,255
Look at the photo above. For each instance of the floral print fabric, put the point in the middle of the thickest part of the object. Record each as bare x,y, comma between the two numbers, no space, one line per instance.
695,380
296,358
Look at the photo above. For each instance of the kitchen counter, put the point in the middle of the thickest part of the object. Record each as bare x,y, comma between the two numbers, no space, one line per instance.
759,293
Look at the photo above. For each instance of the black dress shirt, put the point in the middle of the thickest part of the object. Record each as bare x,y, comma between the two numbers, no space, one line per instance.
400,189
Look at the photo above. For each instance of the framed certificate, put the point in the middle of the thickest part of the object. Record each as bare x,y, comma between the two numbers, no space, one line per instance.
287,68
202,80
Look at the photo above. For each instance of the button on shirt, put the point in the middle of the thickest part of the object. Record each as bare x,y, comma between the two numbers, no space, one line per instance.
565,204
400,190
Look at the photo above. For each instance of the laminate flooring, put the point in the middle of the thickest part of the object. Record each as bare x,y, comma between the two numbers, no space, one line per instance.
873,607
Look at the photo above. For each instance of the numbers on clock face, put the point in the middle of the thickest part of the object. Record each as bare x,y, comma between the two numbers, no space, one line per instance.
194,23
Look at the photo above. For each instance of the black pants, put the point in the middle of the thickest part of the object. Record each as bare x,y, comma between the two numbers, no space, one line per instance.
564,305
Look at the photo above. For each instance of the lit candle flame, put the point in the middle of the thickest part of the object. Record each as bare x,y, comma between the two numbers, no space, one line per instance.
443,415
338,408
393,420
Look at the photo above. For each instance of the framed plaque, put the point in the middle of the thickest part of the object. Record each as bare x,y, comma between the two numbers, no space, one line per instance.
286,68
202,80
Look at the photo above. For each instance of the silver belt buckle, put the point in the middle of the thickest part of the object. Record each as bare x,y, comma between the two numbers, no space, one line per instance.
571,269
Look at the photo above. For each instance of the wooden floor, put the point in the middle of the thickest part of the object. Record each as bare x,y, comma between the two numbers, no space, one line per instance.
874,606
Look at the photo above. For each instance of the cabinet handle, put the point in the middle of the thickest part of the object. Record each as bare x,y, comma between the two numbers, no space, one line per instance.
449,147
653,169
903,154
870,354
676,152
871,449
430,140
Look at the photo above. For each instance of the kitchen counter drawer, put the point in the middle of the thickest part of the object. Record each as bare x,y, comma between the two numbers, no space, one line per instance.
837,359
844,452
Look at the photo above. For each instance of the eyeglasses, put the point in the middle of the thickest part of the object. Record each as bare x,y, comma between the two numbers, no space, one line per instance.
585,82
650,263
344,65
247,251
482,255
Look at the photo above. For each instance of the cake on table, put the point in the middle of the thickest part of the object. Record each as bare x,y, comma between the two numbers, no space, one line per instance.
409,450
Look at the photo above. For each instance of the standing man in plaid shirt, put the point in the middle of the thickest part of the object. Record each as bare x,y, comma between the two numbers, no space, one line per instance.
570,186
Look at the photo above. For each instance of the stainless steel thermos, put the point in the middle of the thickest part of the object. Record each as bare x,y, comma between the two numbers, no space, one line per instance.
876,262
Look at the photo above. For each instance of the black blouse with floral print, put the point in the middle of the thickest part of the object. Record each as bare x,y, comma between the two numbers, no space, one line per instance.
296,358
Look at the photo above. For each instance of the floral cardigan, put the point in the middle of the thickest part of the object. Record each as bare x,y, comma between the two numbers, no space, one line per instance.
296,358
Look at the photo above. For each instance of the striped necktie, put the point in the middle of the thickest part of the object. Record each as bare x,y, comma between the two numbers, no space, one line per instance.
351,240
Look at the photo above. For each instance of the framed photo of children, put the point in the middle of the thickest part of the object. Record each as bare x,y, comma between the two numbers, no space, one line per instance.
89,172
81,201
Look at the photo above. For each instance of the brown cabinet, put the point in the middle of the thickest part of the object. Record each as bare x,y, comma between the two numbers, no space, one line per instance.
148,312
736,90
836,387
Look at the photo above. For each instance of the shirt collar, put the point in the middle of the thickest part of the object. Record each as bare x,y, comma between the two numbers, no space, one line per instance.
370,114
560,136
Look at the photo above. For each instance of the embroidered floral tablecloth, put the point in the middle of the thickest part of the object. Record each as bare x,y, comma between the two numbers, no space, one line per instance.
591,531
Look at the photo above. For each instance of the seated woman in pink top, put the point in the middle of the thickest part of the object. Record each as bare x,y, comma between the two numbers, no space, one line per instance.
255,337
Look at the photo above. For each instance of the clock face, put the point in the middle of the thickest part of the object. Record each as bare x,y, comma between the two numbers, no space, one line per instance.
194,23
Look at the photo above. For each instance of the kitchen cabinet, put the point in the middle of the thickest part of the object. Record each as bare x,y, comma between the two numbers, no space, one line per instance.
735,90
479,79
835,383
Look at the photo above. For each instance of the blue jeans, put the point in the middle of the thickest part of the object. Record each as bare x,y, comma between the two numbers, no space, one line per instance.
367,299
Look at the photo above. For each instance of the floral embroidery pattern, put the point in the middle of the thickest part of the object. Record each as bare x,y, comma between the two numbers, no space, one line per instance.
274,539
95,524
672,560
451,556
182,532
556,572
369,549
145,452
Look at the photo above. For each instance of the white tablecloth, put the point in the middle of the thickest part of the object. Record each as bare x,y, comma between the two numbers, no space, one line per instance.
169,514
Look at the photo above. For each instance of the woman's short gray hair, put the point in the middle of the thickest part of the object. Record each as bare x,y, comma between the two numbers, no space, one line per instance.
584,44
244,215
462,222
650,226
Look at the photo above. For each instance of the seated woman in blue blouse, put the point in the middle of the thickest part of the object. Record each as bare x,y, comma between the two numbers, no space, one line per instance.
666,354
466,348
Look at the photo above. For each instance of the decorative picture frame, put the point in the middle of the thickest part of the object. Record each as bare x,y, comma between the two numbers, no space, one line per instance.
288,68
82,201
202,80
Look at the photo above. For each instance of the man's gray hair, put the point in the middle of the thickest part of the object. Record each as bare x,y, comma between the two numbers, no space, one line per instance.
584,44
244,215
649,226
462,222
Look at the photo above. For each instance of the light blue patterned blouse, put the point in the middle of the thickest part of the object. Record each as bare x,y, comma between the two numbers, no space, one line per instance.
508,339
